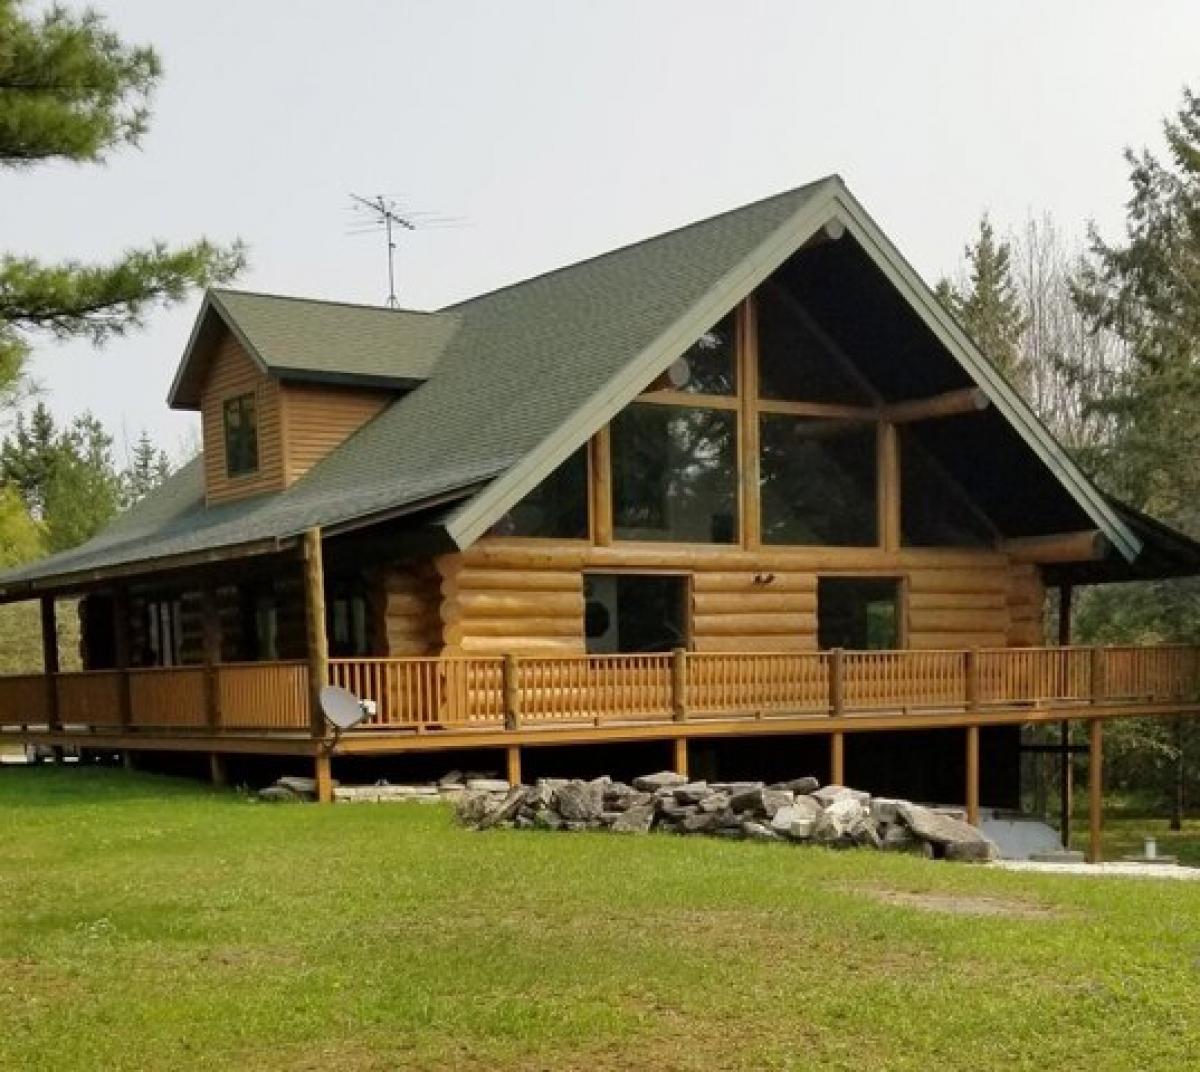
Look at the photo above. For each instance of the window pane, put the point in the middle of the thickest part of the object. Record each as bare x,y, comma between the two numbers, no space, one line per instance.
707,367
557,507
818,482
793,363
934,510
675,474
241,436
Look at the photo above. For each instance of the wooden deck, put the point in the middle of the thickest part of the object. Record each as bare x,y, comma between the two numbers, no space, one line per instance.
431,703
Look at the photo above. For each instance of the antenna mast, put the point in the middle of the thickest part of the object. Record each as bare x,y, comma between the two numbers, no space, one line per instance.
385,217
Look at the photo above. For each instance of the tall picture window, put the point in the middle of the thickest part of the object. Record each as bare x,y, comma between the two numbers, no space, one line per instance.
817,481
674,474
241,435
557,508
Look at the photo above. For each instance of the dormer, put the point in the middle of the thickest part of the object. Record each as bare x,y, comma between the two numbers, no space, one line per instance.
281,382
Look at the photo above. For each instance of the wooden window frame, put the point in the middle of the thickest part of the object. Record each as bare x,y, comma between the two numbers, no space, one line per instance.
239,400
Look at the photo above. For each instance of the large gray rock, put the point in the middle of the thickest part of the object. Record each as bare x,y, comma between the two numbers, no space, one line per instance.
505,810
885,810
781,821
983,851
826,795
932,826
635,820
488,785
957,840
692,793
714,802
278,794
579,801
302,787
702,822
801,830
757,831
473,806
649,783
761,801
845,820
799,786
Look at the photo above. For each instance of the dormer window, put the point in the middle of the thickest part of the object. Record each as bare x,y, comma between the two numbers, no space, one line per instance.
241,436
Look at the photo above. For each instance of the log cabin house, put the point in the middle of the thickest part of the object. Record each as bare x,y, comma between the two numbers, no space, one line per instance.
740,492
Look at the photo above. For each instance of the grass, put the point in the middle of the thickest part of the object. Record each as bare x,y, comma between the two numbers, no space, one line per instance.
153,924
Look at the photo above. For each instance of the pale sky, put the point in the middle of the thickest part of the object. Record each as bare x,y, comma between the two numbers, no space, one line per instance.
556,130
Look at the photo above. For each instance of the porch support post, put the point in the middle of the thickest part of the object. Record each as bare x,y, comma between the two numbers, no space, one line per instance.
211,638
679,756
318,643
973,775
216,769
1095,852
1066,771
50,661
512,756
679,685
121,652
837,759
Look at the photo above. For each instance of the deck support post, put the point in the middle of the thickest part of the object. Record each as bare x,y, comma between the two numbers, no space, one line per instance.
679,756
1066,770
323,773
218,775
512,756
50,662
973,775
837,759
211,637
1095,851
318,642
679,685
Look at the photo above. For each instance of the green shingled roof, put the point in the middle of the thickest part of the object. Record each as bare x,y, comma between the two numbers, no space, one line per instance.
514,366
318,341
506,385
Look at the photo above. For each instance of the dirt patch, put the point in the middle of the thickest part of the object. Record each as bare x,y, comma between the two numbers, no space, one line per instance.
964,904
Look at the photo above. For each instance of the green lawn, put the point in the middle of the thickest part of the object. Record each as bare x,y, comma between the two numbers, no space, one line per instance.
151,924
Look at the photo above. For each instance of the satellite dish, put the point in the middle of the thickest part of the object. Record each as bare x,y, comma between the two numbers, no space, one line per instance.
679,373
342,708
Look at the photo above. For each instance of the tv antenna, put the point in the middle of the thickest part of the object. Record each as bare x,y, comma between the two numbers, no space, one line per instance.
384,216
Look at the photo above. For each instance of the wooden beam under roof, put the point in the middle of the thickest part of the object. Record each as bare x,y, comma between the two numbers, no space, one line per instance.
1087,546
949,404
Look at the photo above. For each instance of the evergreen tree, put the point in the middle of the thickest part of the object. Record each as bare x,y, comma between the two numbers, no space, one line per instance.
148,468
1146,290
65,477
71,90
987,304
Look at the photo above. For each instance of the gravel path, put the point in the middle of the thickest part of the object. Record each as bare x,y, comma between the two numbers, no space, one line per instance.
1118,870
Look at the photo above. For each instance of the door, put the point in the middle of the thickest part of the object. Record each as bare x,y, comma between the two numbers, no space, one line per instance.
858,613
634,612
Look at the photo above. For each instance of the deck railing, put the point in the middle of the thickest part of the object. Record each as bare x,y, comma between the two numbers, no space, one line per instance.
489,692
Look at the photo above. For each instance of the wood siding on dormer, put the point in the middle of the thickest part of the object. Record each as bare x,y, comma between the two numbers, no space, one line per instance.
233,373
319,419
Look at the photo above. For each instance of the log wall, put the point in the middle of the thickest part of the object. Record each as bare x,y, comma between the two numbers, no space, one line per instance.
405,611
507,596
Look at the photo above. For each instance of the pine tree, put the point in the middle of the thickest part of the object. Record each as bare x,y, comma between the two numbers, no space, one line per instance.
1146,290
148,468
987,304
71,90
64,476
